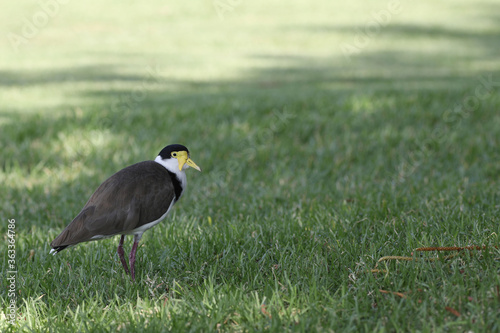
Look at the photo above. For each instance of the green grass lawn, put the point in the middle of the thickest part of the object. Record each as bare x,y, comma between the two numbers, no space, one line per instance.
316,163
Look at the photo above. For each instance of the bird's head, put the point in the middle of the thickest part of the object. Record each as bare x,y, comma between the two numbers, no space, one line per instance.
176,158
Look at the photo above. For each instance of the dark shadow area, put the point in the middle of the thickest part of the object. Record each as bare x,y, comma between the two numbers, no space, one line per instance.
94,73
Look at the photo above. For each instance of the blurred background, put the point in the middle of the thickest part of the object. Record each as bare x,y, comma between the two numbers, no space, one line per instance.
288,102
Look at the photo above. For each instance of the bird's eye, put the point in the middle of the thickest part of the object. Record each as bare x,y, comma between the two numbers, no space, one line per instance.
174,154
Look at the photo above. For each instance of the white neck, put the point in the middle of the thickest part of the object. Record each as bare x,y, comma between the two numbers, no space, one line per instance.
172,165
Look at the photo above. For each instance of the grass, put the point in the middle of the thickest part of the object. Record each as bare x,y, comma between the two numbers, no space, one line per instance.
315,165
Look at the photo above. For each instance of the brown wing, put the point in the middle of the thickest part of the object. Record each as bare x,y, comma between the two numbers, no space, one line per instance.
134,196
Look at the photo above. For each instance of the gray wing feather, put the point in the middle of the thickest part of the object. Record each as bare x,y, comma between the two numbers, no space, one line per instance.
134,196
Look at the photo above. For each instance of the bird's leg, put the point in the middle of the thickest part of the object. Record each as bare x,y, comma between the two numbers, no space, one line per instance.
131,258
121,254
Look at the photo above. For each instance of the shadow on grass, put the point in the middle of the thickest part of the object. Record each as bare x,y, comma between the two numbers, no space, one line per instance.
90,73
217,113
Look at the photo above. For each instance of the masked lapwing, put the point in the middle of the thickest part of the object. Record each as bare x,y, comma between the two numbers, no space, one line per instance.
130,202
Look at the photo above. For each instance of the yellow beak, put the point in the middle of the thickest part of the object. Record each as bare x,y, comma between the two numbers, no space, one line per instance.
184,159
192,164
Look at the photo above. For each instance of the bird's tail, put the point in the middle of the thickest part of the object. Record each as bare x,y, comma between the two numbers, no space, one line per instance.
57,249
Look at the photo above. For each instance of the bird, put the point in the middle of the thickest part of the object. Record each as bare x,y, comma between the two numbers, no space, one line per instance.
130,202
